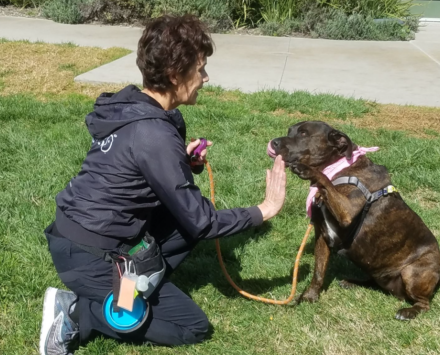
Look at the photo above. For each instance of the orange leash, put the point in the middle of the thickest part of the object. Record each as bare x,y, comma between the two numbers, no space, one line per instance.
225,272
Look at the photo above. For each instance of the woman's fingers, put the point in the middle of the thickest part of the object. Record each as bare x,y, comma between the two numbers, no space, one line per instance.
191,146
275,189
202,157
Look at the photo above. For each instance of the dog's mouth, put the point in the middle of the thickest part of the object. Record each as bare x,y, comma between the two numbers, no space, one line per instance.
273,154
270,151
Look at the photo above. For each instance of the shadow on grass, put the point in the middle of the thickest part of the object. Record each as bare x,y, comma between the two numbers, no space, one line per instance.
204,265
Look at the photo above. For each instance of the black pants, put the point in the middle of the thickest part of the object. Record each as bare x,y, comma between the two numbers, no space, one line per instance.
174,318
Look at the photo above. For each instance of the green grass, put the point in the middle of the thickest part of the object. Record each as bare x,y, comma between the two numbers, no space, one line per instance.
43,144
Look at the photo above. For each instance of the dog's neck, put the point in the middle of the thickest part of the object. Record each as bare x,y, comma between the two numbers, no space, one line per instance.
331,170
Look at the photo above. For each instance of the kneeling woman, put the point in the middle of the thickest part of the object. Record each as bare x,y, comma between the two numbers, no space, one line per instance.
137,179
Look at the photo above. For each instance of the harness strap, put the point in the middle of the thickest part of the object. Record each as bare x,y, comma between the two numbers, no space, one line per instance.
370,198
353,180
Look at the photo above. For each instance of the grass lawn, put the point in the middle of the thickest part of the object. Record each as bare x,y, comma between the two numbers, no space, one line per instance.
43,141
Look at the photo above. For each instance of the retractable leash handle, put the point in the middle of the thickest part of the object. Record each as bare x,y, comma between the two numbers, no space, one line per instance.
198,151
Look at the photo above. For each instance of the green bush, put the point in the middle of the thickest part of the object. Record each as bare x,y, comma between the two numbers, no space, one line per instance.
335,19
216,13
278,11
360,27
117,11
273,12
286,28
325,22
245,12
372,8
64,11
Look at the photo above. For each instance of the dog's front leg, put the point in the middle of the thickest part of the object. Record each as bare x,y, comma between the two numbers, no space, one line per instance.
342,208
322,255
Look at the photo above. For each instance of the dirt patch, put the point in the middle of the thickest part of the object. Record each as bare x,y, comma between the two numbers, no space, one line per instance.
45,69
296,114
426,198
49,69
423,122
10,10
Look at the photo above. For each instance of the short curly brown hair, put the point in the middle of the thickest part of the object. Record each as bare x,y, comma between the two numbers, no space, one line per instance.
171,45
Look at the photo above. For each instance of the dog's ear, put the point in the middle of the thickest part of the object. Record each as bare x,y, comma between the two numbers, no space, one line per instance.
341,142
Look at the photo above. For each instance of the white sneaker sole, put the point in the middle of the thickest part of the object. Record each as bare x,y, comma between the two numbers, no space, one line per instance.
48,316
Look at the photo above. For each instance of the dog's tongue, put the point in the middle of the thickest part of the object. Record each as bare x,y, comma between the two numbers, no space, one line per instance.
270,150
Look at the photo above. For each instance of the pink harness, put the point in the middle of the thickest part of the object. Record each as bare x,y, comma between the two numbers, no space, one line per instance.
331,170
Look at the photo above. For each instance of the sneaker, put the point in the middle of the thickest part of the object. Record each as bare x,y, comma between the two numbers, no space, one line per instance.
59,334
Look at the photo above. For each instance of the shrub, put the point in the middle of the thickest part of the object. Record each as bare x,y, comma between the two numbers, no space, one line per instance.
372,8
278,11
413,23
216,13
245,12
286,28
335,19
325,22
359,27
117,11
273,12
64,11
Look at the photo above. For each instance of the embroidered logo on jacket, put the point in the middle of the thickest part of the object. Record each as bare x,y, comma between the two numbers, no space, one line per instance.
106,143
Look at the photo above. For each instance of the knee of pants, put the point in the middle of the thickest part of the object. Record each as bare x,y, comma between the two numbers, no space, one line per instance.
199,329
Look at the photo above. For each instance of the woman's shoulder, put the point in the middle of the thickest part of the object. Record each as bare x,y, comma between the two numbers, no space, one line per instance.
153,126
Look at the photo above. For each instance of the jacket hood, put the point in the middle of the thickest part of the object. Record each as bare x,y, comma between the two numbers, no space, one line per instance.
113,111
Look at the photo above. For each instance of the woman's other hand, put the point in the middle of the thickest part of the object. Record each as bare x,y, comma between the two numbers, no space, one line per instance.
193,145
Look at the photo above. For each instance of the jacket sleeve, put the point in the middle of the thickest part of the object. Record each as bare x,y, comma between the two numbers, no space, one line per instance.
160,154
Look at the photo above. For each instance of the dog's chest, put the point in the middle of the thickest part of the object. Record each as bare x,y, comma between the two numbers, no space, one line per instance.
332,237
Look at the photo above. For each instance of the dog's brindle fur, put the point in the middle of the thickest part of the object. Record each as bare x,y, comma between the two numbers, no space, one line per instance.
393,246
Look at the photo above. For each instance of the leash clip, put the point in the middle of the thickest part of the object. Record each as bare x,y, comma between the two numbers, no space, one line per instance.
391,189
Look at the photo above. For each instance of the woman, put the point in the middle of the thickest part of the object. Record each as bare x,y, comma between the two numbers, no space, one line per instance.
137,179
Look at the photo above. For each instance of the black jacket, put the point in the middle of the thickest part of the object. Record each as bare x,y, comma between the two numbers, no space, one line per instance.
138,163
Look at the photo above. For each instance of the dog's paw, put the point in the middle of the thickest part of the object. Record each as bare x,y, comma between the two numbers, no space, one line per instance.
310,296
347,284
407,313
303,171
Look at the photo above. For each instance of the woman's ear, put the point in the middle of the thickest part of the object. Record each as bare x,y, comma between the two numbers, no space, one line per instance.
173,79
342,142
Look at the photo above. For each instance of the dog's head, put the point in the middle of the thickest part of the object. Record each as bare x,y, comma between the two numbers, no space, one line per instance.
312,143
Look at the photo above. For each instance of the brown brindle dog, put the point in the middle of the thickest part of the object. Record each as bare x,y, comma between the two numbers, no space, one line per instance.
392,245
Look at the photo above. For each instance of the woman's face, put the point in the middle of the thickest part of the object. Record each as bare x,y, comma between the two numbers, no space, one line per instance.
188,86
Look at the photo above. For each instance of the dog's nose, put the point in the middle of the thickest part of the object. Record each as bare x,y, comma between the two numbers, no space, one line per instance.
276,143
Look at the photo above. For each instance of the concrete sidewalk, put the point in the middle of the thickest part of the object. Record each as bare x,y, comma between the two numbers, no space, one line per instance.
387,72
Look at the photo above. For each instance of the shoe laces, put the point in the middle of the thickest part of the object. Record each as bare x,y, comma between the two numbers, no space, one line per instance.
72,341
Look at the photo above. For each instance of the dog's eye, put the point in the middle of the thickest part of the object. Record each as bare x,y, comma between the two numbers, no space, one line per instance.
303,133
